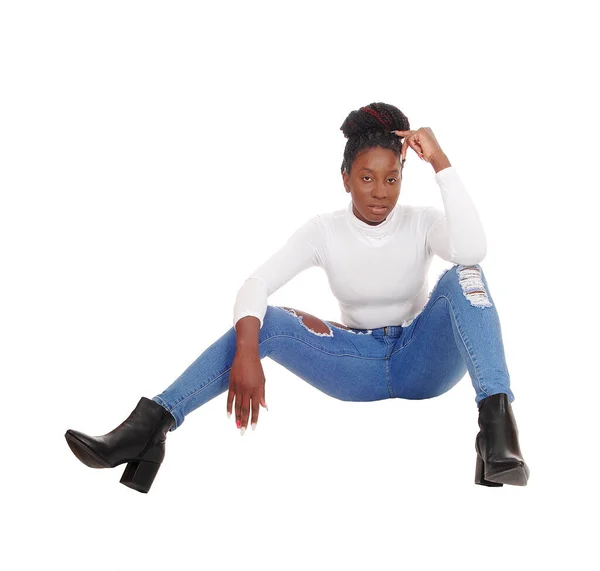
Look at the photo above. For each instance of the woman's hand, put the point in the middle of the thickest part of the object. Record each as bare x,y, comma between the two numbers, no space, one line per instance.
422,141
247,386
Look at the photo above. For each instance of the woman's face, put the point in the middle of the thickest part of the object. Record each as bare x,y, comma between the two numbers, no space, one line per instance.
375,180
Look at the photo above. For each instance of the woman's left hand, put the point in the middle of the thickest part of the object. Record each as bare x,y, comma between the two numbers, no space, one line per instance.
422,141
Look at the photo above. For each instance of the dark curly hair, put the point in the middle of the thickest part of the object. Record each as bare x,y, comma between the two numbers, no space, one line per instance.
370,126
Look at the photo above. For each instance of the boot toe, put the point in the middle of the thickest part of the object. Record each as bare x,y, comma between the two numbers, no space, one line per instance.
82,446
512,474
139,440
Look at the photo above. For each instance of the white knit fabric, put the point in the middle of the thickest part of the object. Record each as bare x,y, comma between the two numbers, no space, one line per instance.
377,273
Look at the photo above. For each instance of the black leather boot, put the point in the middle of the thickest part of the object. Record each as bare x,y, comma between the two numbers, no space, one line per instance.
138,440
499,458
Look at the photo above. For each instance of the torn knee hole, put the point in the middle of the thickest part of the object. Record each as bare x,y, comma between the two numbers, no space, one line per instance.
310,322
345,328
473,286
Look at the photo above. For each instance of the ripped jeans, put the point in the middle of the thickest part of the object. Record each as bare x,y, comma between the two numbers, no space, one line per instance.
458,330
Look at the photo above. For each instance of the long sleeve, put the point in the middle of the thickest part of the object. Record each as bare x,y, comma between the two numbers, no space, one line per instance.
301,251
457,235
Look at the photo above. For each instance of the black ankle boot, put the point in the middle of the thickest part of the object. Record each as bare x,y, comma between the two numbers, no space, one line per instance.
499,458
138,440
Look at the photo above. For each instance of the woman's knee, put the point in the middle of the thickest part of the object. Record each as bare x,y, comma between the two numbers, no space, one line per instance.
473,285
279,316
469,281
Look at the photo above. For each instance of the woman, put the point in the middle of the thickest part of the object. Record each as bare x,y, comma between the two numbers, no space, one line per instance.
395,340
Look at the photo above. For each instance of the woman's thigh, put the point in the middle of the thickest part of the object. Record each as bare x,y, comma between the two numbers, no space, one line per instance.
427,361
324,355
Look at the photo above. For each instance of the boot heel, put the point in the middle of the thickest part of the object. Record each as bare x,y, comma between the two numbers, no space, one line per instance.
479,471
139,475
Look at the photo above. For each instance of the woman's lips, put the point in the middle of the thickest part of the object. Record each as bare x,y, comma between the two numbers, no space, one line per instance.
378,209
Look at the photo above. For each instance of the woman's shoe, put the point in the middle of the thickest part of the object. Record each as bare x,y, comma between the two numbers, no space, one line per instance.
138,440
499,458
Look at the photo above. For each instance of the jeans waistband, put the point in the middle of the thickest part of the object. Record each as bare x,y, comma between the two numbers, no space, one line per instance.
387,331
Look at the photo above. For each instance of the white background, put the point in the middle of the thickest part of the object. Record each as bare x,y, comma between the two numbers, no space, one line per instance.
153,154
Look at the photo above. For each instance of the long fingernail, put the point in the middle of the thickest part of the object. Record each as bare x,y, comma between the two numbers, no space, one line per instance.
243,430
228,415
253,426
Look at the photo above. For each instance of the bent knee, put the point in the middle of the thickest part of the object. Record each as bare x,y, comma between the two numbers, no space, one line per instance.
471,280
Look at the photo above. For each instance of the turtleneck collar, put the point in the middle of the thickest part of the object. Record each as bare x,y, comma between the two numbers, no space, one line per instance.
378,233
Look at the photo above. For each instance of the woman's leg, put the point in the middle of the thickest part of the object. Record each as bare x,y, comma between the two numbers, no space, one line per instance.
321,354
457,330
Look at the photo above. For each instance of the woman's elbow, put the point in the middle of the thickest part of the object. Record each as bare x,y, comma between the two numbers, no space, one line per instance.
470,258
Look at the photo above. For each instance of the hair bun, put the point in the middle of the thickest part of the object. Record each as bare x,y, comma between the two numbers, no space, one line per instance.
372,118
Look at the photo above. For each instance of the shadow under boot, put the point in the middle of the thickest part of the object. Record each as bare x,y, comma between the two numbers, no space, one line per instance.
139,440
499,458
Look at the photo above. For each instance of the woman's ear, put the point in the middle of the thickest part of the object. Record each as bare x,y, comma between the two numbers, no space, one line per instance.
345,178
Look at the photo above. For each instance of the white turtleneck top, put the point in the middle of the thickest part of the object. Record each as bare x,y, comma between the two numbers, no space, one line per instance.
377,273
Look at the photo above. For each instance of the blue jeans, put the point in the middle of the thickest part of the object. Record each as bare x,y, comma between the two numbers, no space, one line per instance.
458,330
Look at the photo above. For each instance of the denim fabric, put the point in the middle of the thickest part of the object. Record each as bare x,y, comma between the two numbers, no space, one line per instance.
457,331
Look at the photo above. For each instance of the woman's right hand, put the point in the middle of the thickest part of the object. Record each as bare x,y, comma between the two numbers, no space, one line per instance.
247,387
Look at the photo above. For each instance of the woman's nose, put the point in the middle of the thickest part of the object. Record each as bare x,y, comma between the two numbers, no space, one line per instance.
380,192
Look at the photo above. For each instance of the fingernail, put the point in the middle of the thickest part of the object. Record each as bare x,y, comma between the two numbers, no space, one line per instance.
228,415
243,430
253,426
238,423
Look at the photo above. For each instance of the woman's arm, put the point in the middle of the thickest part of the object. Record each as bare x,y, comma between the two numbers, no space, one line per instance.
301,251
247,379
456,235
246,335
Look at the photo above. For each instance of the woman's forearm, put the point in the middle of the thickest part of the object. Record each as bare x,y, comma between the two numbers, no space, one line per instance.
440,161
247,331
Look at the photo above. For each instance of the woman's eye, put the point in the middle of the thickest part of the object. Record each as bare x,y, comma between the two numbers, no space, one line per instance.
391,178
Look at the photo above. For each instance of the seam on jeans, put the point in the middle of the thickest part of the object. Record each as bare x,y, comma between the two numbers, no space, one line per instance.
200,389
477,376
388,379
346,334
179,403
317,348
